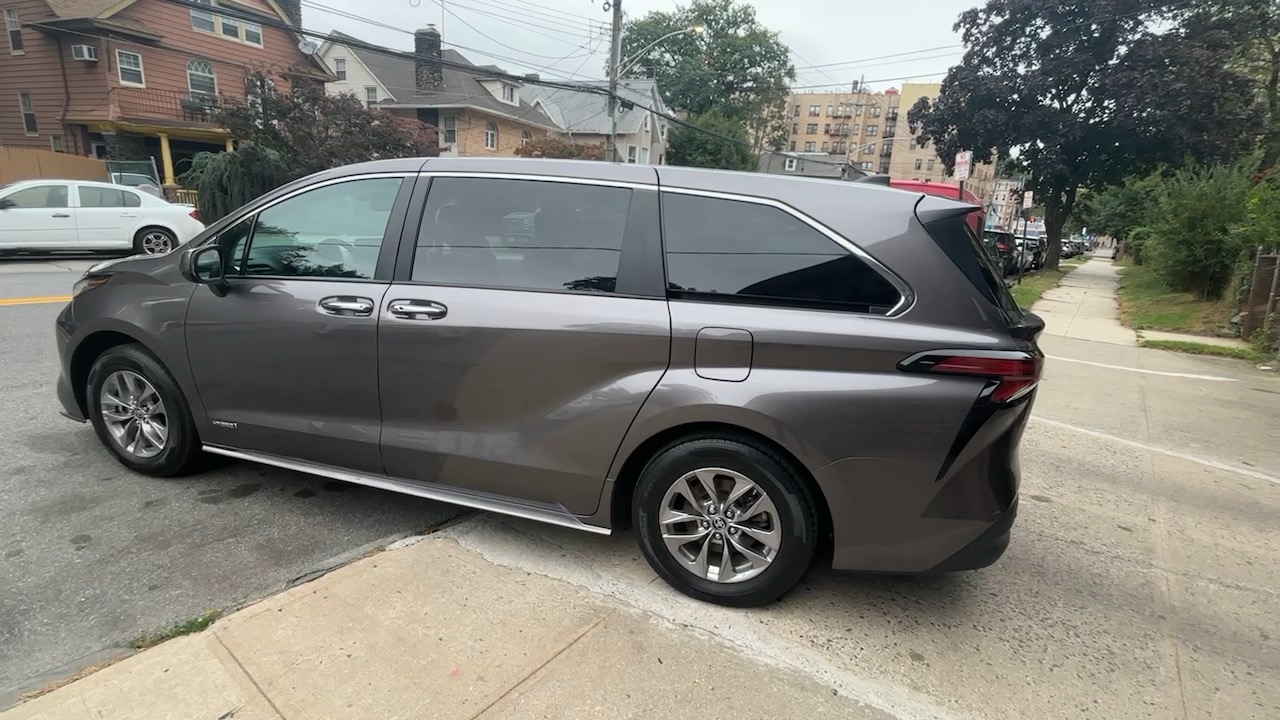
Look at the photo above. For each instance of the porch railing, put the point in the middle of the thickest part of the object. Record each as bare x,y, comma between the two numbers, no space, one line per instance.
169,105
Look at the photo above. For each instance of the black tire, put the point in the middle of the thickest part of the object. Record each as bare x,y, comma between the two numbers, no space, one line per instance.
140,240
181,454
784,485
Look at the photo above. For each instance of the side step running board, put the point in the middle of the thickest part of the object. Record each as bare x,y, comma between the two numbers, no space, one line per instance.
551,514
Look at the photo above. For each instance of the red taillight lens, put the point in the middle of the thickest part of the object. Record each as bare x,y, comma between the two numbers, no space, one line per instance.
195,214
1002,246
1014,373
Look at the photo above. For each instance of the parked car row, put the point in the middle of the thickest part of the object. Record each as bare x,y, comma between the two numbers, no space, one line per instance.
79,215
1074,247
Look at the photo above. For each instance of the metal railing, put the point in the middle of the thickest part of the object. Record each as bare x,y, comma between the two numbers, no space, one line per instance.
172,105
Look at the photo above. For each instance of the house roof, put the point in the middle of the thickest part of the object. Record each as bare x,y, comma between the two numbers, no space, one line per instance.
587,112
80,8
459,88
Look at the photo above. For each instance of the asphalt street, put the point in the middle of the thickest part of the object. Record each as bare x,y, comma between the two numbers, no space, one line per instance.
1143,580
92,554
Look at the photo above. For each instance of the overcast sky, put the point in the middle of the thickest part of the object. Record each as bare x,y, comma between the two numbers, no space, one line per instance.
570,38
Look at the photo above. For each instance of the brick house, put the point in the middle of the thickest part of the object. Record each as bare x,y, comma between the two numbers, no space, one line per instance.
137,79
475,114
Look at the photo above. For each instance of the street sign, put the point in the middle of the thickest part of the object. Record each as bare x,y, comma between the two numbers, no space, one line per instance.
1028,199
964,159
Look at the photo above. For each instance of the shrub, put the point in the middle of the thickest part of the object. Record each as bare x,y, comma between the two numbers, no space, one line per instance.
227,180
1194,239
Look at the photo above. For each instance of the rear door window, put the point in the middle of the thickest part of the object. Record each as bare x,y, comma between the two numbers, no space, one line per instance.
962,246
745,252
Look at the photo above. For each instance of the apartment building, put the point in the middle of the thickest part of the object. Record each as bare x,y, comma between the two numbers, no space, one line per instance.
476,114
1006,204
138,79
872,130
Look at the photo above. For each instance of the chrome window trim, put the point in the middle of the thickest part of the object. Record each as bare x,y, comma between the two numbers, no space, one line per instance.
907,297
538,178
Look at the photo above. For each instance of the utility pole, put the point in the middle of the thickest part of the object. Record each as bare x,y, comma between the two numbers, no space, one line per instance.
615,66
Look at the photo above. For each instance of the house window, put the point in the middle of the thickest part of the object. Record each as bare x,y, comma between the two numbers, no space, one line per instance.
865,165
203,19
795,128
646,122
824,147
808,146
828,111
200,78
340,68
814,110
491,136
644,156
129,67
13,26
826,129
370,96
231,27
919,163
792,147
790,165
870,148
253,33
873,130
873,111
812,129
855,128
525,137
930,167
662,130
508,93
450,125
796,113
857,110
913,143
28,113
631,154
57,144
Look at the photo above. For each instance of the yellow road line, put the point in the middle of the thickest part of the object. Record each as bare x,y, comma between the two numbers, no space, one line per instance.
35,300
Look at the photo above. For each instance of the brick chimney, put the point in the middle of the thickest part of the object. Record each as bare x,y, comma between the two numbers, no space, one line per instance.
292,8
427,73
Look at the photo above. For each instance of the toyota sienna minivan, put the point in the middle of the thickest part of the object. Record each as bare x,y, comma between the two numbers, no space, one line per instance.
744,368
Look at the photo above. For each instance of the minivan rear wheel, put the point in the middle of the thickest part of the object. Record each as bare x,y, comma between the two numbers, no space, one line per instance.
140,413
726,521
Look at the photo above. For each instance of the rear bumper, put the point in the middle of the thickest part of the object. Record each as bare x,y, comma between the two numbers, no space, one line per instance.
907,516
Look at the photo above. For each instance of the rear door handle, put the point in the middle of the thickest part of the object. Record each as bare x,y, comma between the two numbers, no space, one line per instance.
417,309
347,306
62,215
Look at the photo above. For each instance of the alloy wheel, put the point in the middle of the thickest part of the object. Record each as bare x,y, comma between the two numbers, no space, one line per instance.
720,525
156,242
134,414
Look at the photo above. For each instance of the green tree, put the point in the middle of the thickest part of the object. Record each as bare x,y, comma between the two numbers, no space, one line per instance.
735,64
1088,93
226,180
716,141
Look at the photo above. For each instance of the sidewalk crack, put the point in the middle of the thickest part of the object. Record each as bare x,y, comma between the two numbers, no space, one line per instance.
245,670
538,669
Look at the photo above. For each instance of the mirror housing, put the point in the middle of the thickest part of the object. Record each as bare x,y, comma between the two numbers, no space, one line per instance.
6,203
205,265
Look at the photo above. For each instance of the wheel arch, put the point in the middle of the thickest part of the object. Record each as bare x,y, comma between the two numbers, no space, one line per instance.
87,352
623,491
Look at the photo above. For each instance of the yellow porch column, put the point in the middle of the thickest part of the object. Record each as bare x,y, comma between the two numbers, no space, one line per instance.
166,157
230,145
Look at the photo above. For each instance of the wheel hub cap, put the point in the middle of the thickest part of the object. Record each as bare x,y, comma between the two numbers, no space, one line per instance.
720,525
134,414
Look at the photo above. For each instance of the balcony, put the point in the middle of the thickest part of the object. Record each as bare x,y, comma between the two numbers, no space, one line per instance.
838,131
886,151
166,107
890,131
892,116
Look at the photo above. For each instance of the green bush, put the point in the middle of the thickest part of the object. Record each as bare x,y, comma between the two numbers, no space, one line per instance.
1194,240
227,180
1136,242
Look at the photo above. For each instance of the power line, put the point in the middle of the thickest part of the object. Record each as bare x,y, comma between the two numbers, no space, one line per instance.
524,24
490,38
563,17
878,57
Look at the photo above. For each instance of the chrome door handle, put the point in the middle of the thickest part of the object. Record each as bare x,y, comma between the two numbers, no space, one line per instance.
344,305
61,215
417,309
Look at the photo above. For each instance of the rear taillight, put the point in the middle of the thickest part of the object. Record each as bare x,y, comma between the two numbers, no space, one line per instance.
1002,247
1011,374
195,215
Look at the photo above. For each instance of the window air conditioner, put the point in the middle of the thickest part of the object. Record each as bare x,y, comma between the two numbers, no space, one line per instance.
88,53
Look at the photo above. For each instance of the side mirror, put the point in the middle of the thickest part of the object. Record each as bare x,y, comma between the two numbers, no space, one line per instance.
6,203
205,265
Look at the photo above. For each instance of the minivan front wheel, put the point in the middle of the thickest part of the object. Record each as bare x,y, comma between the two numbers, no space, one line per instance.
140,413
726,521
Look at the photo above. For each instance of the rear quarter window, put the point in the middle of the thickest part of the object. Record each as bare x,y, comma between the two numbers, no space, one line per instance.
745,252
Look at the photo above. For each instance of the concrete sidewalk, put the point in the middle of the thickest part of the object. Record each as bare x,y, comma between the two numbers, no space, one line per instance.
434,630
1084,305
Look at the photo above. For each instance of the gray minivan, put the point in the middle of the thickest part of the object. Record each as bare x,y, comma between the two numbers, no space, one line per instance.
746,368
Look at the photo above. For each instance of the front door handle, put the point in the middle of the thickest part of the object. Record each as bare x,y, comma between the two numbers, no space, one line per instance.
348,306
417,309
61,215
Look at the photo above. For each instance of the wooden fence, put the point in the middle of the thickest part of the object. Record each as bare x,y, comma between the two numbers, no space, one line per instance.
19,163
1262,302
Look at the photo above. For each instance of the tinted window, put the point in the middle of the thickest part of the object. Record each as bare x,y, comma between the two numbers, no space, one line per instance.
97,197
755,253
333,232
522,234
40,196
132,199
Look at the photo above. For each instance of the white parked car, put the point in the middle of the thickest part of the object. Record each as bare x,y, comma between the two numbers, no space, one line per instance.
83,215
